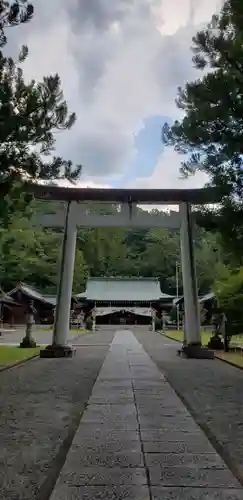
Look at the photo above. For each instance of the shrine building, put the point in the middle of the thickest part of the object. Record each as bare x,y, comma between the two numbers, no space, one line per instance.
116,300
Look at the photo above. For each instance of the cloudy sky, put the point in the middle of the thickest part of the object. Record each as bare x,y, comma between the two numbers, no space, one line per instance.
120,62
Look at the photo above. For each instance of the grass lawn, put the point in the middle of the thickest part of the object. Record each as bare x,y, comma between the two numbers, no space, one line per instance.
237,340
178,335
231,357
80,331
10,355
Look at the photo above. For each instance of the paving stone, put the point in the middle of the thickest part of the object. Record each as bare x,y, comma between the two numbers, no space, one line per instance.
203,460
170,408
112,392
163,424
148,384
139,360
198,445
101,476
195,494
114,424
158,424
146,390
97,412
108,447
145,372
109,374
192,476
115,383
159,410
102,413
112,399
141,387
89,433
154,393
103,493
113,362
162,435
82,457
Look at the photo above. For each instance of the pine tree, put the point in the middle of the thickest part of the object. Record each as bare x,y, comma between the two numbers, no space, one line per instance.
13,13
211,131
30,114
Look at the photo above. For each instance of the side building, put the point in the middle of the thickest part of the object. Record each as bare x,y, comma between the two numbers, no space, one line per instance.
20,296
207,307
116,300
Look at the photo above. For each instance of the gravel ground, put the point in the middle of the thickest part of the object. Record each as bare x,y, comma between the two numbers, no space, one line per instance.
41,337
212,390
41,405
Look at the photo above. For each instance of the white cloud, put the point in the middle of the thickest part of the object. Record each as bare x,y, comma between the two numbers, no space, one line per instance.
120,62
80,184
166,175
173,14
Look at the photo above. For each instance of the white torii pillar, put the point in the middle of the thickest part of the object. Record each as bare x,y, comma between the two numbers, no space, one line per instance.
59,346
193,345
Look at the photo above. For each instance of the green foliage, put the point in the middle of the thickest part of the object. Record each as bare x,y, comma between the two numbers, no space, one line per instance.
211,130
13,13
30,115
89,323
208,254
33,256
173,314
157,323
228,289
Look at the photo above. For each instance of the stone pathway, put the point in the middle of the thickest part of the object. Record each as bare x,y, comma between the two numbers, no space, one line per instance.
136,439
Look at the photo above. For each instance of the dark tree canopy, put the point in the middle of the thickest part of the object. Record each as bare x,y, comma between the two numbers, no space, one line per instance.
13,13
31,113
211,131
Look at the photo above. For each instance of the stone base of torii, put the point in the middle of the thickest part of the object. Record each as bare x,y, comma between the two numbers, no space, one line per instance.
76,215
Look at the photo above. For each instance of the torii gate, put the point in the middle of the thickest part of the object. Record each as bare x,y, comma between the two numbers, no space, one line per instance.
75,214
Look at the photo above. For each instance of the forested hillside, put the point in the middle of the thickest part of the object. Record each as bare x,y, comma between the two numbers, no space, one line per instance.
32,255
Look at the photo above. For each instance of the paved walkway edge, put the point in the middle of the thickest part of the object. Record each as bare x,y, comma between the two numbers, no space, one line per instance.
19,363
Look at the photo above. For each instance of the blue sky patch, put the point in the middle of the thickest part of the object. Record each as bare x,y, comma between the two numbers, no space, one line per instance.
149,146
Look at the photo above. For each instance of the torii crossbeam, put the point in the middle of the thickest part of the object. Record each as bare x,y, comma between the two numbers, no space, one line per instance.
76,215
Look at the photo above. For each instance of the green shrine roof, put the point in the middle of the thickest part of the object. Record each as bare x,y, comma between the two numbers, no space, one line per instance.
124,290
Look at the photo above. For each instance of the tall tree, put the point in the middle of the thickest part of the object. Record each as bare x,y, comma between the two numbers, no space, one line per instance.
30,115
211,130
13,13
